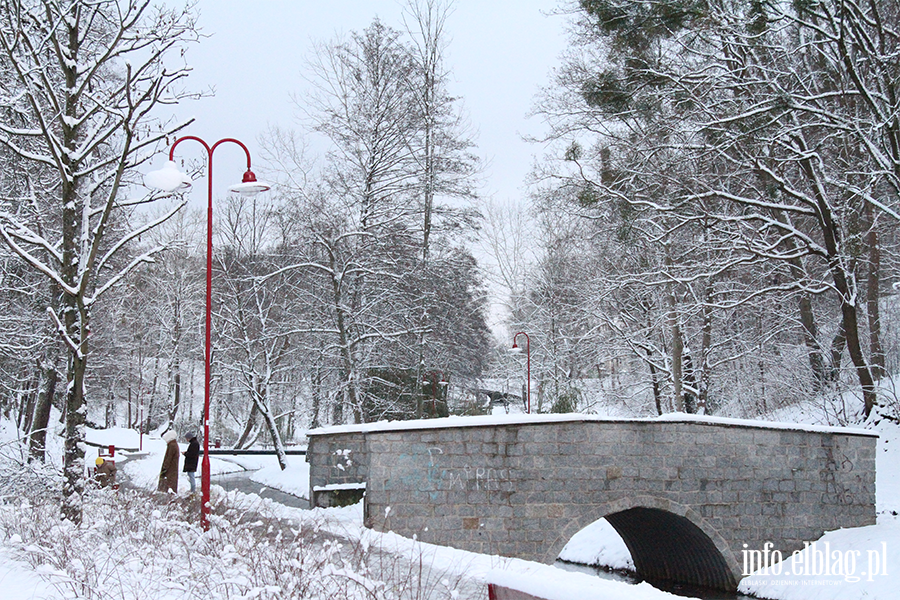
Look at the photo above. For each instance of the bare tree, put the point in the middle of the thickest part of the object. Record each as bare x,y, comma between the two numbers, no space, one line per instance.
444,166
255,312
85,76
770,130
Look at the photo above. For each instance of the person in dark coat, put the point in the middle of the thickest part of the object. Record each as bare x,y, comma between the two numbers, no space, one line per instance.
191,456
168,474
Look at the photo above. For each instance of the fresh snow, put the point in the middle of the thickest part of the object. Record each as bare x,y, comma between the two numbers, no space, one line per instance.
293,480
863,564
19,581
524,419
598,545
167,179
545,582
335,487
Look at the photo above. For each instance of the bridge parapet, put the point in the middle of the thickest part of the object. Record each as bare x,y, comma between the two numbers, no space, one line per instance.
338,467
686,494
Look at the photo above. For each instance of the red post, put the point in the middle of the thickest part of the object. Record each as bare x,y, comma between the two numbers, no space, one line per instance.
528,361
112,450
205,466
492,592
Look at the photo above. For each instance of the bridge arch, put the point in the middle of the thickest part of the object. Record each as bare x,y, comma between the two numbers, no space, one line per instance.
667,542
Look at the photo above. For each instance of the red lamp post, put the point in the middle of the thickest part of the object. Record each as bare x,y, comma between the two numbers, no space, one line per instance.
170,179
516,348
434,387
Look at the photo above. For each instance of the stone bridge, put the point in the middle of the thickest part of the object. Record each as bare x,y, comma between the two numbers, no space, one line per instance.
687,494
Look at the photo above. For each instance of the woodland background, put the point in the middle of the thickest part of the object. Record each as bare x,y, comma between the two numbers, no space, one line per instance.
713,228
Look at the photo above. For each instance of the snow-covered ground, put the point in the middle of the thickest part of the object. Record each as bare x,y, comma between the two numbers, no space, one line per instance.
18,581
465,573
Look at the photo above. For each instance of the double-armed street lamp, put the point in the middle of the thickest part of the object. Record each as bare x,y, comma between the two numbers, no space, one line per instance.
515,348
171,179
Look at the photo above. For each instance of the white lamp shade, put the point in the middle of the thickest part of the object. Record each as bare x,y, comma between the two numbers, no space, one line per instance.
167,179
250,188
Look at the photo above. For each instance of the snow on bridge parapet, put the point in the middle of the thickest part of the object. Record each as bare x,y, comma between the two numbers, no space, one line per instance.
524,419
684,492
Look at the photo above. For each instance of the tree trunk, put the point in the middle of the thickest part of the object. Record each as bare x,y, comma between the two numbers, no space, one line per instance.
316,385
844,281
248,427
349,372
30,393
176,399
37,439
176,361
810,337
873,282
705,351
854,348
76,409
654,381
152,392
677,344
262,406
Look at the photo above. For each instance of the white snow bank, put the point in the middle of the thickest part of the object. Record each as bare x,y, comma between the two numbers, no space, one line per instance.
550,583
120,437
524,419
887,470
847,564
19,580
687,418
293,480
598,544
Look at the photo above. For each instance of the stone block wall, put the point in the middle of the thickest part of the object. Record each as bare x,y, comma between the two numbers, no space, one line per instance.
523,489
338,465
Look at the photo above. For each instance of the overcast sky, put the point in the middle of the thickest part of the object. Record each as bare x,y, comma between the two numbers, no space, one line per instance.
501,52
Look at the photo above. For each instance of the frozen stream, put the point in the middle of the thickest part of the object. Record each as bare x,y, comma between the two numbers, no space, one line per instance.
241,482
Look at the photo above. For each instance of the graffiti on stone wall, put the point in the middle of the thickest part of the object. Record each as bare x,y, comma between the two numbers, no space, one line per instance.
836,492
467,478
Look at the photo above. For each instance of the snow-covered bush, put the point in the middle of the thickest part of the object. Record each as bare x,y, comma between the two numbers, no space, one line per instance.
135,545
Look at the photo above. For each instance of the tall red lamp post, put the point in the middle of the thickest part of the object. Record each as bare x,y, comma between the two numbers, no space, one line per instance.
515,348
170,179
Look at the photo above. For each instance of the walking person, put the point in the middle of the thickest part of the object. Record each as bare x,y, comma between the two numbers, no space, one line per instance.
168,474
191,456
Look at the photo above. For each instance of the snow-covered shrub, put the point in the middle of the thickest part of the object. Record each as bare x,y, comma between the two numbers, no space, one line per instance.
21,478
132,544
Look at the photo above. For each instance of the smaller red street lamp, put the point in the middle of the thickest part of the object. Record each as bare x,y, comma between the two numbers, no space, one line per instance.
171,179
515,348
